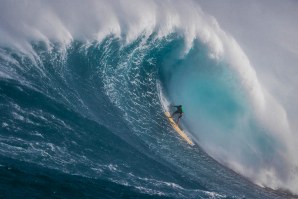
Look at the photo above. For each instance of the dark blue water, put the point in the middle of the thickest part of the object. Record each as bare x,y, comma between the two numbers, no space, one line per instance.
86,121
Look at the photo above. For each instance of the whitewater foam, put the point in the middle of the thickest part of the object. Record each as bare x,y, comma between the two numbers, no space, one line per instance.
119,20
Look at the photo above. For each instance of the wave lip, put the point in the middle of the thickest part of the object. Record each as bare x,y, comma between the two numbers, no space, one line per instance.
137,47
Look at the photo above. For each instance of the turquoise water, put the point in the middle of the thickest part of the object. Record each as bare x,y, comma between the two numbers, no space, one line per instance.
87,122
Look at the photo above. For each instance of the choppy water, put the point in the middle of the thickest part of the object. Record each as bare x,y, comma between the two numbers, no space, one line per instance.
85,118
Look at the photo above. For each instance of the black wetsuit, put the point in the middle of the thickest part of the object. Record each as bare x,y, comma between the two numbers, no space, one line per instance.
178,111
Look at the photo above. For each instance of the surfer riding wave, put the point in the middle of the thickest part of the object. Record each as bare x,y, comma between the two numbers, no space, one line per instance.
178,111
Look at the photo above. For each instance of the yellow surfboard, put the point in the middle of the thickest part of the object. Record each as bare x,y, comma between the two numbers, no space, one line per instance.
178,130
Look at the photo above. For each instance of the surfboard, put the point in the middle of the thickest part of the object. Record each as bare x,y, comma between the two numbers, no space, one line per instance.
177,129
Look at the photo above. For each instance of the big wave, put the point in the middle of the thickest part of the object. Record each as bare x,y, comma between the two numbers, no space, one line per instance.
64,75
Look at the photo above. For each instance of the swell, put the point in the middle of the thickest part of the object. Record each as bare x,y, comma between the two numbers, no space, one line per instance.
107,65
94,111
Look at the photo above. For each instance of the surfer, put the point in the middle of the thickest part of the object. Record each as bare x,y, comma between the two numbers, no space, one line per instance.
178,111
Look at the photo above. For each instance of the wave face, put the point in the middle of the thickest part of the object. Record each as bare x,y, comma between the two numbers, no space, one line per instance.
82,102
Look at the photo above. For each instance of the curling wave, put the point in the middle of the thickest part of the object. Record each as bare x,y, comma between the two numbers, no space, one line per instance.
83,97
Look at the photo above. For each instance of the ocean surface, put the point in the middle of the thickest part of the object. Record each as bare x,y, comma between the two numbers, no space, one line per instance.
83,91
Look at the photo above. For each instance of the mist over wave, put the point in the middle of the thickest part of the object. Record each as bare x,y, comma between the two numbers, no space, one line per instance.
81,85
